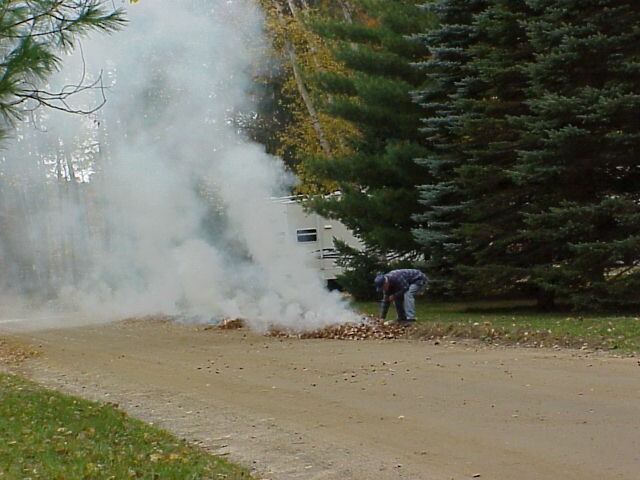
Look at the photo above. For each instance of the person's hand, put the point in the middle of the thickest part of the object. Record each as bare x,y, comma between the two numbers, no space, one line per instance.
391,298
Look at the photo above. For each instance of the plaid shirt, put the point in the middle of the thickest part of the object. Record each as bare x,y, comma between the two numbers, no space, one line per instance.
401,280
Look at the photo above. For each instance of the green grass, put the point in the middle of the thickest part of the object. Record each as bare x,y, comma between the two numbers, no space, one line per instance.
48,435
519,323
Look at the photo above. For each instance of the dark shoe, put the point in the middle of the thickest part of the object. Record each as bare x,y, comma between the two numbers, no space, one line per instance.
408,323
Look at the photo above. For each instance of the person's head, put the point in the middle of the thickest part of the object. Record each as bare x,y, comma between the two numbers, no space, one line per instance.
379,282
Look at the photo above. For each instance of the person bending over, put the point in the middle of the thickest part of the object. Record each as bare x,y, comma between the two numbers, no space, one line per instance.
400,287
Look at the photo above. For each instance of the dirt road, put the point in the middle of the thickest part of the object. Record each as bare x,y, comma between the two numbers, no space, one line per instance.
336,410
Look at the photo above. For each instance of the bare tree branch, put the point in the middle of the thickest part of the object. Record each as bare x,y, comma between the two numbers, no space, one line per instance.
59,100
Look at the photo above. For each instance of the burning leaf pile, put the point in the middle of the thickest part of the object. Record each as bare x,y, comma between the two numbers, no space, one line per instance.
369,328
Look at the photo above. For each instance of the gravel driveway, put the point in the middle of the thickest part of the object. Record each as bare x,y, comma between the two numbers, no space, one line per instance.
320,409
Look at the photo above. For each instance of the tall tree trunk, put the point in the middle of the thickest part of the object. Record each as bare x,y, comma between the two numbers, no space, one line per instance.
306,98
302,89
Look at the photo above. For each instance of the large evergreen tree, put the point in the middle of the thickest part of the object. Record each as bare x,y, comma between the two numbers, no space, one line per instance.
447,65
583,165
492,95
378,175
535,148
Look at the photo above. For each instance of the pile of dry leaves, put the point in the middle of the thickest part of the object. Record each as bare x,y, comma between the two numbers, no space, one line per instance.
369,328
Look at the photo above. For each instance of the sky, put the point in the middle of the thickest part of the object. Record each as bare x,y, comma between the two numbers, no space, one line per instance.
157,204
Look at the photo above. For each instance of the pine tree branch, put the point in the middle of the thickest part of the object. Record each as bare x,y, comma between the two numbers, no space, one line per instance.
32,34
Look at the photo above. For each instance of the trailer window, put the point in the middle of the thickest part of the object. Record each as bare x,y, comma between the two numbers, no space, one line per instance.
307,235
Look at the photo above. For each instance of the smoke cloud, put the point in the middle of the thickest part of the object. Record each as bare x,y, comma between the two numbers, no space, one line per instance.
157,203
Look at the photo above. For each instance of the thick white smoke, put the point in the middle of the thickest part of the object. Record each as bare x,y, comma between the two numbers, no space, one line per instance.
169,212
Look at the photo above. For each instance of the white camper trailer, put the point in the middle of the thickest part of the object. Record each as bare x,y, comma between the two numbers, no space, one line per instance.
314,235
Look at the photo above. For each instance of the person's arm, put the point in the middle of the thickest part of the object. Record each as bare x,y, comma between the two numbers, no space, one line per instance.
384,306
392,288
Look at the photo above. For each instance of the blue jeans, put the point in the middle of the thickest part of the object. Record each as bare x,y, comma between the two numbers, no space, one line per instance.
410,301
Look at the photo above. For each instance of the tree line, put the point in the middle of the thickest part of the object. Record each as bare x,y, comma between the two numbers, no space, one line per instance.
493,143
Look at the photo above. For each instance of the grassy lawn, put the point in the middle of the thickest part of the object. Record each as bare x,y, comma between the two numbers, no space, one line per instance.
47,435
519,323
